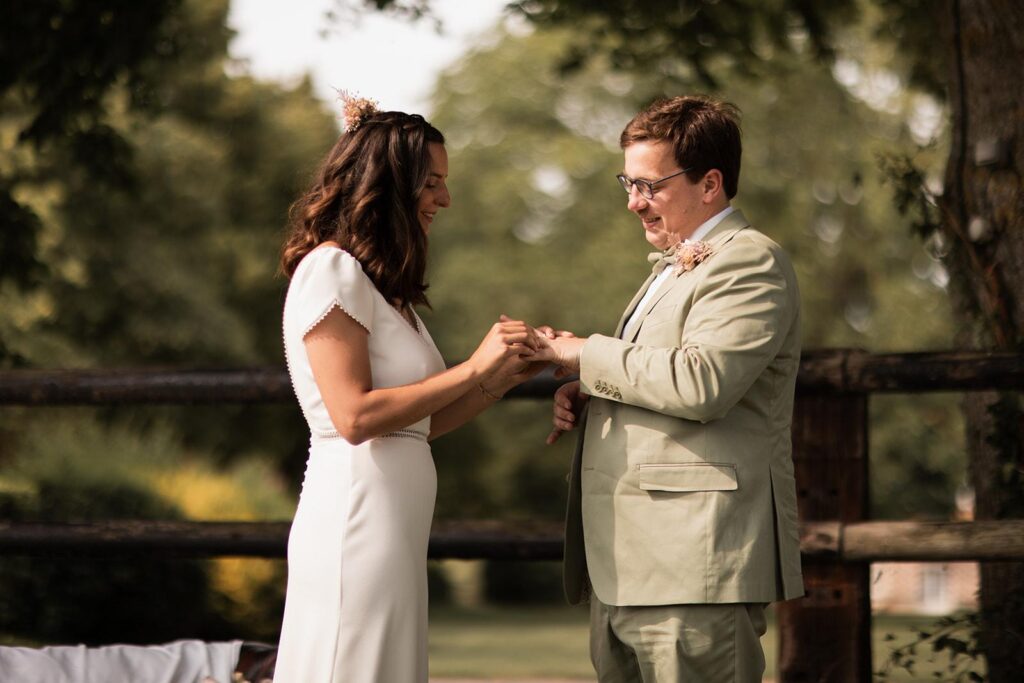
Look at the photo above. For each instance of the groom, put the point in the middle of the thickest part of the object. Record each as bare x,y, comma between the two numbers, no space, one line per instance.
682,517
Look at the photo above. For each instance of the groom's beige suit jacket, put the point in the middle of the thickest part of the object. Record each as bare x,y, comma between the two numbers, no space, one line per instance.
681,486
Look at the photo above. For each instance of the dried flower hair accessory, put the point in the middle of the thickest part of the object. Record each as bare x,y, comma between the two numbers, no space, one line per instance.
355,110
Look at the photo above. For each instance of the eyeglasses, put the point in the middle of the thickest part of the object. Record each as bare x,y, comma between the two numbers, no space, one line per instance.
646,187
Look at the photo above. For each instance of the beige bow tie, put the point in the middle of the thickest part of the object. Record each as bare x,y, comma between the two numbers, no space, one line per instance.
661,260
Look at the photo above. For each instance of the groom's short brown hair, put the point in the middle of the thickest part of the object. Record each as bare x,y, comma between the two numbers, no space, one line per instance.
704,134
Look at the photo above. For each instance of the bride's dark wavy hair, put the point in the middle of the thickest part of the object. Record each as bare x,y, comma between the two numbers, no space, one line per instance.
364,198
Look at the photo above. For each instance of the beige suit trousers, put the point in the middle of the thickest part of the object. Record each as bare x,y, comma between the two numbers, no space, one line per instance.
709,643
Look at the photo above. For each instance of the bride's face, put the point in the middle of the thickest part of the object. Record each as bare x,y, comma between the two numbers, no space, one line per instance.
435,194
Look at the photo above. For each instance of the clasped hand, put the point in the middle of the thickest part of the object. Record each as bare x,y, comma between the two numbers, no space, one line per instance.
513,352
548,345
564,349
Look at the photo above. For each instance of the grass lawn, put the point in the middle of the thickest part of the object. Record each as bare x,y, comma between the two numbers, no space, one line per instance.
519,642
510,642
928,666
551,642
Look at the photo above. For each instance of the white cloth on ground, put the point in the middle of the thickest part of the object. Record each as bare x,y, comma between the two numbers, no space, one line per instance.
183,661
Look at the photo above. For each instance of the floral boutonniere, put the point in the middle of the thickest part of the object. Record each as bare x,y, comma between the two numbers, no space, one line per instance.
689,255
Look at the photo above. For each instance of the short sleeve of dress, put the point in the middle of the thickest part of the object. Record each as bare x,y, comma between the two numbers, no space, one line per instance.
329,278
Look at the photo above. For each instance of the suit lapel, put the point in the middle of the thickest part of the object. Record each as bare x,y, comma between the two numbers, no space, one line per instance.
717,238
632,304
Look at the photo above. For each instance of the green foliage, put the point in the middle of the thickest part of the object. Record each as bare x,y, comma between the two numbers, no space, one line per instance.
205,167
58,63
58,598
410,9
951,643
638,36
912,26
76,469
18,260
161,250
1007,413
917,458
63,58
910,192
178,266
664,36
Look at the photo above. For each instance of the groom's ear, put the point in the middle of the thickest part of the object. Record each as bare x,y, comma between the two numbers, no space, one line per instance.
711,185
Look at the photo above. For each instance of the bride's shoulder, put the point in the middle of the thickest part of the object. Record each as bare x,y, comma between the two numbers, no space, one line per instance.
329,256
329,276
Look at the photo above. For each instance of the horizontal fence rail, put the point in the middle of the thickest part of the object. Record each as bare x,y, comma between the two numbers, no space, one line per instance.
494,540
852,371
828,371
456,539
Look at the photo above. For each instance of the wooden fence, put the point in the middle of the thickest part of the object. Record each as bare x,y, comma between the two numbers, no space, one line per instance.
824,636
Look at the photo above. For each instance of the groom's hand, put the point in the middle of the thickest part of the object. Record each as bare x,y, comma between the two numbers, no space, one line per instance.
568,405
551,333
546,331
560,347
563,351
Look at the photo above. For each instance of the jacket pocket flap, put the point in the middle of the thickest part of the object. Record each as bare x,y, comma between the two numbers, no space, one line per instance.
697,476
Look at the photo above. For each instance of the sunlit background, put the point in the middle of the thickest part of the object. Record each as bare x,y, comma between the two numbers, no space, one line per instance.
178,268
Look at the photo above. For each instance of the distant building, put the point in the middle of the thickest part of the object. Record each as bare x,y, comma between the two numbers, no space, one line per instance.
923,587
927,587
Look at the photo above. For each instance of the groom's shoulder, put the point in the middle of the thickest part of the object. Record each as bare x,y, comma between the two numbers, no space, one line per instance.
749,241
751,250
751,234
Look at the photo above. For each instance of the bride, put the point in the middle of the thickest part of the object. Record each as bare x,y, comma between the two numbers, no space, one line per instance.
374,390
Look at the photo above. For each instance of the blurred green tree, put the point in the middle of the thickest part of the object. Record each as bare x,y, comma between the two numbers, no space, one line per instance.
58,63
177,264
161,250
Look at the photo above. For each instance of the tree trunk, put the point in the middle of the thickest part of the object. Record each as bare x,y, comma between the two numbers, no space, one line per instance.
982,208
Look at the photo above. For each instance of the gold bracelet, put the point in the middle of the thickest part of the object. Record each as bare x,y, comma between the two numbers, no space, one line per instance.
487,393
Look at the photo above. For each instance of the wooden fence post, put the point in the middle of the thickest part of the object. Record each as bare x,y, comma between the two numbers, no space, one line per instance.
825,637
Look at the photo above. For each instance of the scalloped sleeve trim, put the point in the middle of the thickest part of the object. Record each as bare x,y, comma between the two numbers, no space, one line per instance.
330,307
331,279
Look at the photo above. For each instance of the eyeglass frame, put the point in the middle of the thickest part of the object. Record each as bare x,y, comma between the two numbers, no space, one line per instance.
628,183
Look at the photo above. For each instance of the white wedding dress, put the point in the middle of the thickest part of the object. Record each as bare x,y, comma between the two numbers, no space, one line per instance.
356,606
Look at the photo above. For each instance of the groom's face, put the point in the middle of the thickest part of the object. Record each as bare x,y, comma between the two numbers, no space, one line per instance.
677,208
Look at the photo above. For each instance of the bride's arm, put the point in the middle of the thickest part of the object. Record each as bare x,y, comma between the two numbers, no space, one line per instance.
482,396
512,373
339,357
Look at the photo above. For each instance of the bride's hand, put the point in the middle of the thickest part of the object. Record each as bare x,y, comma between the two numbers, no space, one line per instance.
506,340
512,373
